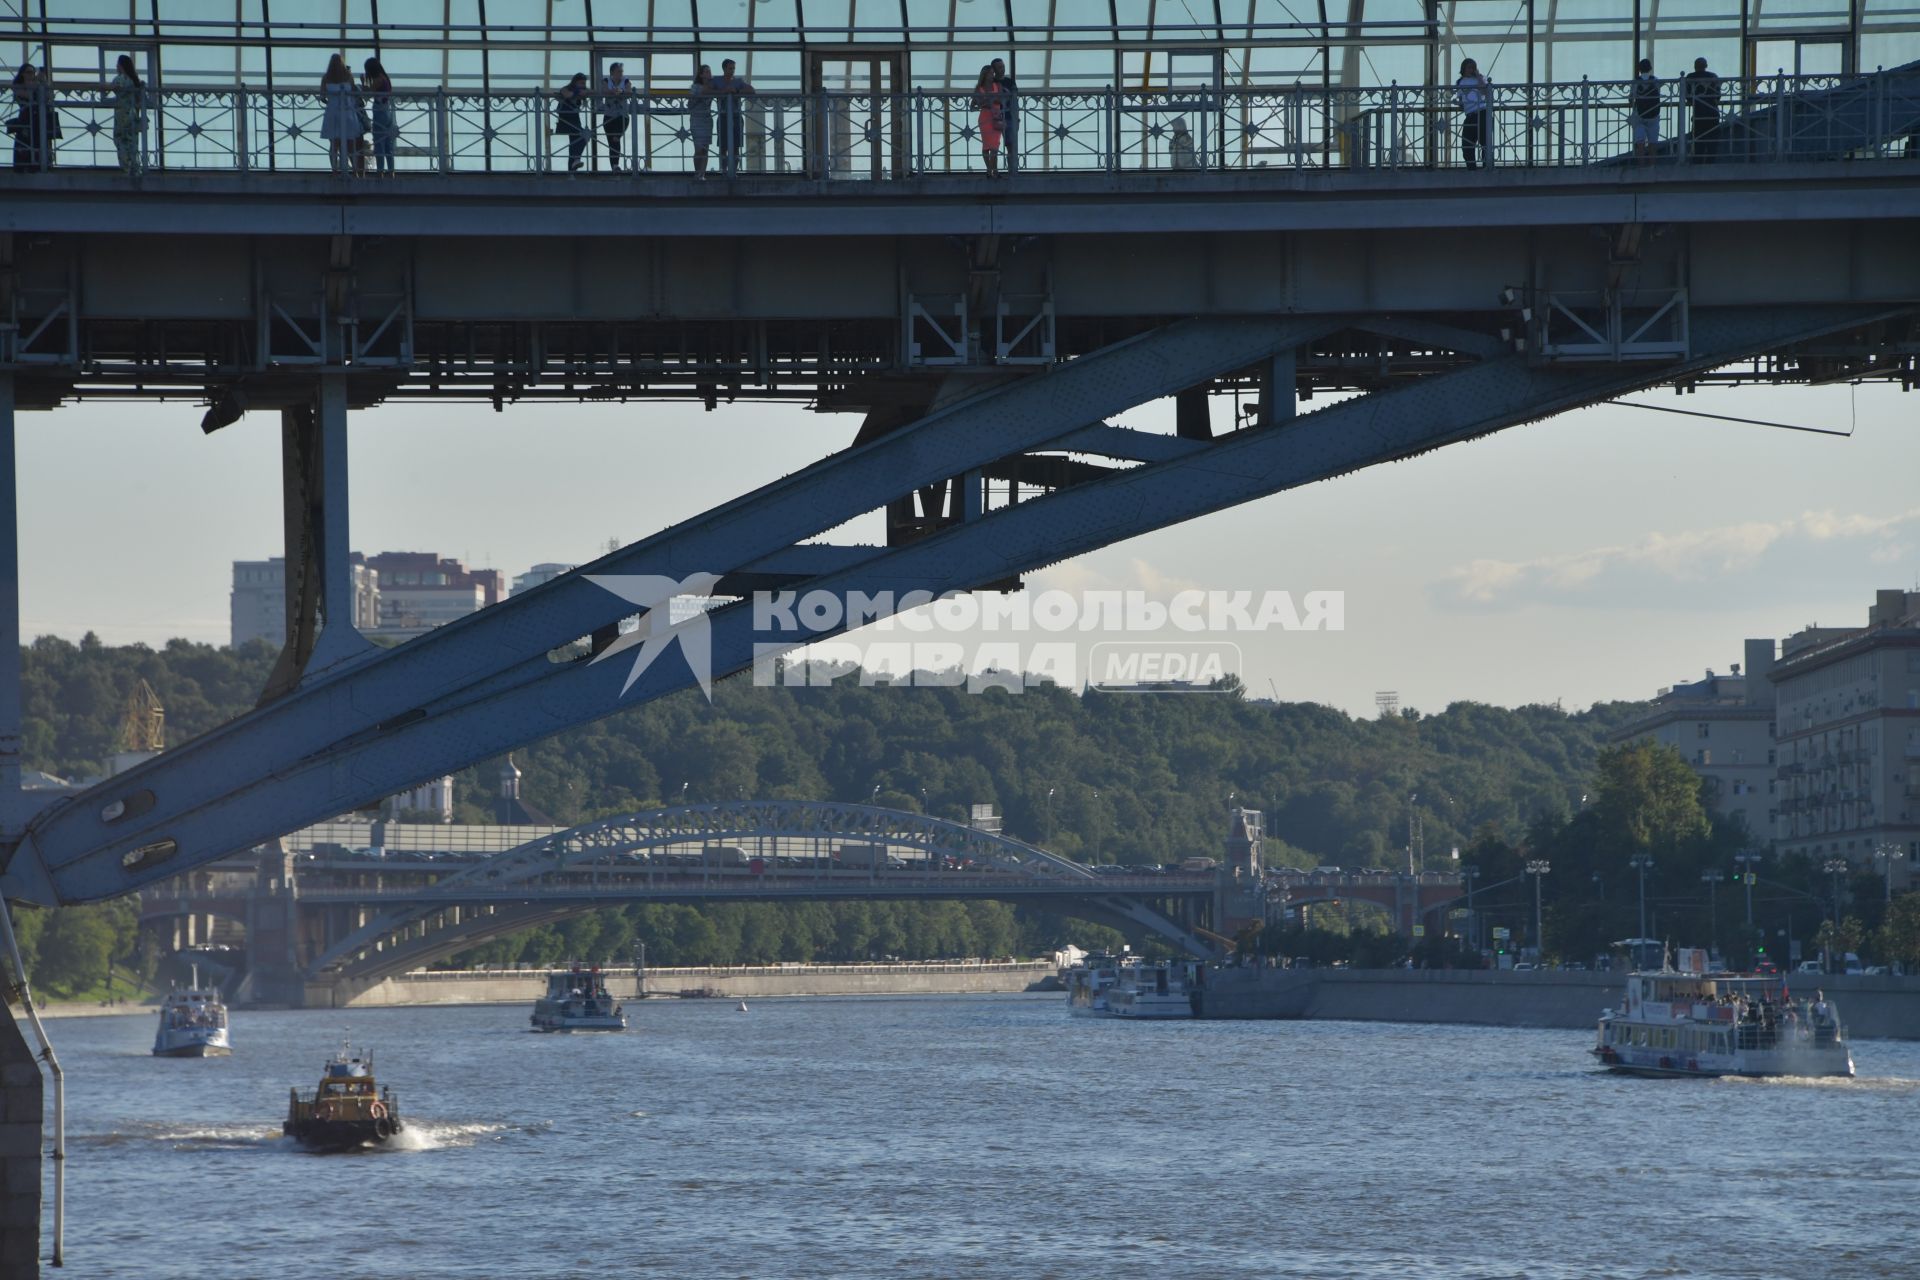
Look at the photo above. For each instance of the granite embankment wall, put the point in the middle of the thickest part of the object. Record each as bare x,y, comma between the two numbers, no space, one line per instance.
731,982
1873,1008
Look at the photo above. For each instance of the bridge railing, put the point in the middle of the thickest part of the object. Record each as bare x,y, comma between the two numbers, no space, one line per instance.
835,135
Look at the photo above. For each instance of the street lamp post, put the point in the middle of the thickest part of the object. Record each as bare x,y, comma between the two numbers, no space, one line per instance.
1538,868
1472,872
1747,863
1835,868
1712,880
1887,853
1642,862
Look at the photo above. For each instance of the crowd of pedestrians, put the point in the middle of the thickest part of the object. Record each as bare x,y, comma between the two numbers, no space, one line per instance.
359,122
1699,93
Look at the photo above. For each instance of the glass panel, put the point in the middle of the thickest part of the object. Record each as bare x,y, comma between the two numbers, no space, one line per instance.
1799,15
514,20
672,19
931,19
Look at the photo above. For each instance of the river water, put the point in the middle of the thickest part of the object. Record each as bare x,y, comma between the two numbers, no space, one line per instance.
976,1136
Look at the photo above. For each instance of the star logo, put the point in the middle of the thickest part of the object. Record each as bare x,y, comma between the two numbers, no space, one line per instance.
654,593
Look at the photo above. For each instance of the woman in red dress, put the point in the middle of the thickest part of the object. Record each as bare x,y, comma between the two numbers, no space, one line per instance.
992,104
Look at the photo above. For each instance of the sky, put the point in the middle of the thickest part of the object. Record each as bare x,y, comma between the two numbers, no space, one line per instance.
1599,555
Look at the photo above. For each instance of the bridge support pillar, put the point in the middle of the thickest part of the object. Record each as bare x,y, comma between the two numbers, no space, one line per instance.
22,1130
319,547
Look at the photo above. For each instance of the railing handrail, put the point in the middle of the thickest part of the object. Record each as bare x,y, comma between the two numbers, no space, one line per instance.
846,133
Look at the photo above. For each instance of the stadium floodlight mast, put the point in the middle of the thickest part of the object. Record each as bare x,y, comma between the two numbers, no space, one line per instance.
1642,862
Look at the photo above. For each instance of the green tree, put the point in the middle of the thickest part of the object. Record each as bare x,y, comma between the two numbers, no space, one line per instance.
1898,939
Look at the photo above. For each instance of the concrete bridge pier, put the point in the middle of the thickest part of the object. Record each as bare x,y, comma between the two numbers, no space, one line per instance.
21,1138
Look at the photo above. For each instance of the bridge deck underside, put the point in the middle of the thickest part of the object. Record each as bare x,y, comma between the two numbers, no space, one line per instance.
194,292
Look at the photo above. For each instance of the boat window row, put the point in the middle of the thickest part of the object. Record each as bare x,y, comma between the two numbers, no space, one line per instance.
1693,1040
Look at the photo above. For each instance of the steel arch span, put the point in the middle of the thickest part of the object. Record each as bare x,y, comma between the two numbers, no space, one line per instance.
751,850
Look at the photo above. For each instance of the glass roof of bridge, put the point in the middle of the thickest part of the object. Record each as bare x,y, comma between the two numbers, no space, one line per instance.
507,45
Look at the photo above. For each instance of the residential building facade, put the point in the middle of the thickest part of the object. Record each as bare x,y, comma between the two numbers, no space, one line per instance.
1723,725
1849,739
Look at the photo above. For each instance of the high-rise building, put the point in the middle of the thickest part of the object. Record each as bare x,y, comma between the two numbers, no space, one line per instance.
538,574
1723,725
1849,739
258,603
421,590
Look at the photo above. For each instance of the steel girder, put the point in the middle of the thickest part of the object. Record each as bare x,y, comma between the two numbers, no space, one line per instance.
348,752
740,820
353,733
424,940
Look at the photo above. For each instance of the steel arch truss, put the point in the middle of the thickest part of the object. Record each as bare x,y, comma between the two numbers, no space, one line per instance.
377,722
517,889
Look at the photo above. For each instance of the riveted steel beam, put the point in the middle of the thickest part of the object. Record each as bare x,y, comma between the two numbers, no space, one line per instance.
314,751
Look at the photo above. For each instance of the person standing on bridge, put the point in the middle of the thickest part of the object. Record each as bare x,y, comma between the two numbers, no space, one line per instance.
616,103
1644,100
731,92
379,90
567,119
129,117
700,117
1702,91
992,106
340,125
1475,94
1009,114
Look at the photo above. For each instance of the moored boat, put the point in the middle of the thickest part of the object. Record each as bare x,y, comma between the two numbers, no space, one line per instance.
347,1111
1689,1022
193,1024
578,1000
1109,986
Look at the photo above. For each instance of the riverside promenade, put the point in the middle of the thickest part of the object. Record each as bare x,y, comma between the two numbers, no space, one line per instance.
1878,1007
733,982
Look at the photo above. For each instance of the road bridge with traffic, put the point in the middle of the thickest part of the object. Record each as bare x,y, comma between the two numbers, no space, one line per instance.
1222,210
320,925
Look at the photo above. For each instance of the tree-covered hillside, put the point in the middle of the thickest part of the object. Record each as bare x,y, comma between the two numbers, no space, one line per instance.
1104,777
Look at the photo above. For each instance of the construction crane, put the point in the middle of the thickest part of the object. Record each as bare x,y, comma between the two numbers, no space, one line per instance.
144,727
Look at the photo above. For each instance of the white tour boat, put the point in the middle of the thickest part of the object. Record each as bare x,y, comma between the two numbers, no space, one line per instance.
1688,1022
577,1000
193,1024
1108,986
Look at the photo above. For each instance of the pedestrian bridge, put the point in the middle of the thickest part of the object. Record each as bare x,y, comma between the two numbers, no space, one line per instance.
369,919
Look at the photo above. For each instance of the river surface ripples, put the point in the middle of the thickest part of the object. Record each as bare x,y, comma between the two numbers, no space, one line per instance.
977,1136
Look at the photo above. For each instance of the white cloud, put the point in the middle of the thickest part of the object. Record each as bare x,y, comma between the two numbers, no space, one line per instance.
1691,556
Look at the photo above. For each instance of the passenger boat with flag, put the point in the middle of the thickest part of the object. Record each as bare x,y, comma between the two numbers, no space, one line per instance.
1110,986
578,1000
1686,1021
193,1024
347,1111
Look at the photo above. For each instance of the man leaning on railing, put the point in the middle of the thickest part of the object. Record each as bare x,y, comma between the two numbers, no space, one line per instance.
1701,90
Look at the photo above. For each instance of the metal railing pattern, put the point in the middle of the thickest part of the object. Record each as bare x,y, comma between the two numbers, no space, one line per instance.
836,135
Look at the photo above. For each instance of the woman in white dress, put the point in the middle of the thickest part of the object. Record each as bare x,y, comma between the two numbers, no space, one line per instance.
341,126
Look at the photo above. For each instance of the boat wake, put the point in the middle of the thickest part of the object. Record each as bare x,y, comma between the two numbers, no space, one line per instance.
428,1135
1857,1084
185,1137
